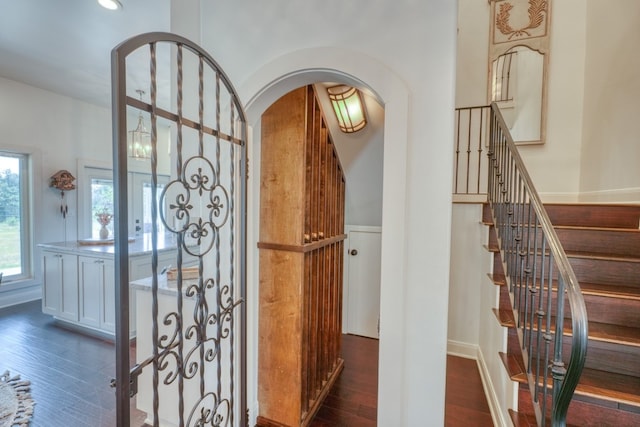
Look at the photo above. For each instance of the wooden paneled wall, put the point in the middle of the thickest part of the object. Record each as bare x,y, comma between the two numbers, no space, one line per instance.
301,261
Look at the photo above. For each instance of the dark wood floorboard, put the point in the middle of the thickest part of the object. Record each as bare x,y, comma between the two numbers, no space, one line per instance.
353,399
70,374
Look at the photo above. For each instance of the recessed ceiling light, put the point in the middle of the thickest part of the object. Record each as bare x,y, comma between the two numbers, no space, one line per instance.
110,4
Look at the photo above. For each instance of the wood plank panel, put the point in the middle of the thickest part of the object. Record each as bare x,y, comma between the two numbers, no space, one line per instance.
280,335
311,300
282,183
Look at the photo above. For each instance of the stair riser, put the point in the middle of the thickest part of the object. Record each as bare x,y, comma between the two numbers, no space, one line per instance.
607,216
607,357
623,243
588,270
613,311
585,412
610,357
606,272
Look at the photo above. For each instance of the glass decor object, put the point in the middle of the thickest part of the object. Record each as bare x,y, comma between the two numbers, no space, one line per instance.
104,219
140,138
348,107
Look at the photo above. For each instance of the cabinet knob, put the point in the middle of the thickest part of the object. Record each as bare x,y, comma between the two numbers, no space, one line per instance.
354,252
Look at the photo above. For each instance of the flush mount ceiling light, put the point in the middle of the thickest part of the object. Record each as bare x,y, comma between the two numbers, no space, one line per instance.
110,4
140,138
349,108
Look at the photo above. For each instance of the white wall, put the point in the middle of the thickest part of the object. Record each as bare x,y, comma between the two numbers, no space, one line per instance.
261,44
555,165
59,130
361,156
610,150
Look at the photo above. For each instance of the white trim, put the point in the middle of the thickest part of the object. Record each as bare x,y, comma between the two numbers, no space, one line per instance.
362,228
462,349
312,65
620,195
559,197
490,393
470,198
20,296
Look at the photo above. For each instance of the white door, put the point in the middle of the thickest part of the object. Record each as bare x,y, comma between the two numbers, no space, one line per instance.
363,281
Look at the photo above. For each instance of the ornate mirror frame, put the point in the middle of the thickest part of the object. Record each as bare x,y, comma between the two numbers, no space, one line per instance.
518,24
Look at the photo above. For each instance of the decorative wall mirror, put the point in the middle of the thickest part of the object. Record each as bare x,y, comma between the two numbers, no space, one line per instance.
518,63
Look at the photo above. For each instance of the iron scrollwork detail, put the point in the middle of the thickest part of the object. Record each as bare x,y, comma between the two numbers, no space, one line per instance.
199,178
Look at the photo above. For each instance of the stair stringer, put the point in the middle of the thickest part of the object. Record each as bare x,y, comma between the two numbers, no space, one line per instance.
493,341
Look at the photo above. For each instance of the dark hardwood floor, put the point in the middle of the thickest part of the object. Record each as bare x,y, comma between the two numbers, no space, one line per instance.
70,374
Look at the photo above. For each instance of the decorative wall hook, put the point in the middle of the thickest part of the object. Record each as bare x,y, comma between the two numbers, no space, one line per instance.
63,181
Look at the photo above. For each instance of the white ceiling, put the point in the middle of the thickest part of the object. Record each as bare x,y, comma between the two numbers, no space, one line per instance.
65,45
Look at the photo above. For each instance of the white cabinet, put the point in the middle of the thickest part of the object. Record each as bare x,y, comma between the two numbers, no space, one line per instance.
79,289
60,285
97,287
79,285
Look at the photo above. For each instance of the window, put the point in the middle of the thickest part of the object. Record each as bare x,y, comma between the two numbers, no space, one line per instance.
96,196
15,224
101,202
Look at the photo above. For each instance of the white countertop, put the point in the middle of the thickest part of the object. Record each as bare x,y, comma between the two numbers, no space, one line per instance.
165,286
140,245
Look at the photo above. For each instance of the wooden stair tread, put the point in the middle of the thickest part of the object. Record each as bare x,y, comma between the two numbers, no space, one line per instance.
593,383
610,291
520,419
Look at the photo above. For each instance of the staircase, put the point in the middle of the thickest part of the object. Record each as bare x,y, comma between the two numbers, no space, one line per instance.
602,243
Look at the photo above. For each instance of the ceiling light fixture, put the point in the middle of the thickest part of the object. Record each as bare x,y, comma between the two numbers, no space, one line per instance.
140,138
110,4
349,108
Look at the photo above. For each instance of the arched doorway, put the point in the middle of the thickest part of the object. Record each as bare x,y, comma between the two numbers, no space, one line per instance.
336,65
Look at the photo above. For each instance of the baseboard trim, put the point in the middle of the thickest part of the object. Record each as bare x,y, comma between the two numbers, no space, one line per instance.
622,195
489,391
559,197
462,349
20,296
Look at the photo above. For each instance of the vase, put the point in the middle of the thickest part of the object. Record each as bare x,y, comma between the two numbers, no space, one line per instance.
104,232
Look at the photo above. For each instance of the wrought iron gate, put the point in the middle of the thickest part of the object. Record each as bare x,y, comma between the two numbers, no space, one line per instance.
190,316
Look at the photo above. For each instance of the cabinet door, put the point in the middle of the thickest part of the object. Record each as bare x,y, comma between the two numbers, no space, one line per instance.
108,300
91,271
51,282
69,297
60,285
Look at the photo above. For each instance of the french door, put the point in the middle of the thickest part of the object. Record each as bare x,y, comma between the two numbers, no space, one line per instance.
187,365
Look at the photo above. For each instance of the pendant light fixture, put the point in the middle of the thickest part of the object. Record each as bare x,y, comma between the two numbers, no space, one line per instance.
348,107
140,138
110,4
